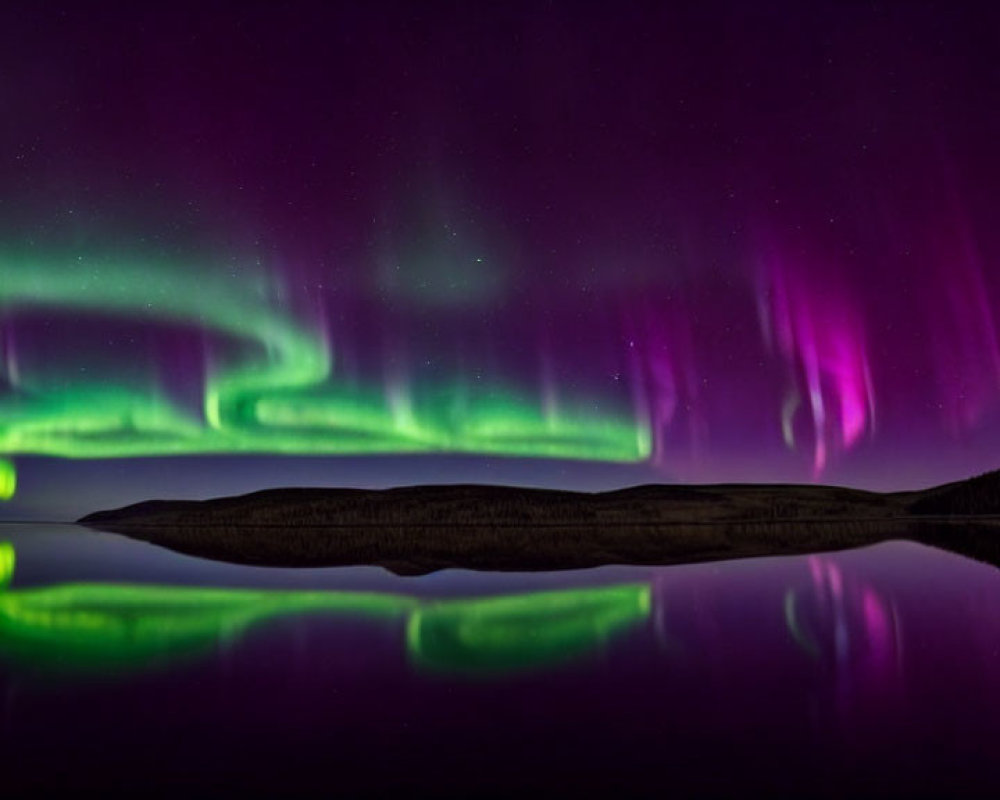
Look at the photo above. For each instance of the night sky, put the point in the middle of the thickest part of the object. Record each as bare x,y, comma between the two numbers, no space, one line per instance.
561,244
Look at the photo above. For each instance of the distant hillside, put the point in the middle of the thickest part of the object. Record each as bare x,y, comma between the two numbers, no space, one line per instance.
974,496
502,505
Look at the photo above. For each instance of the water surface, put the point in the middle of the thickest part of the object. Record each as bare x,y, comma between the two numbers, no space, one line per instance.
126,666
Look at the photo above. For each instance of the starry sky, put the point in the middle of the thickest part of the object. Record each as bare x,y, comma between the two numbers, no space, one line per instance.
579,245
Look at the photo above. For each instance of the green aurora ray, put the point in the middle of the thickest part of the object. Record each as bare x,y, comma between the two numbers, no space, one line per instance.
281,395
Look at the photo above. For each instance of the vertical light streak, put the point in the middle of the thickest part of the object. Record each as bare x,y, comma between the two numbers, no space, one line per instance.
816,330
842,621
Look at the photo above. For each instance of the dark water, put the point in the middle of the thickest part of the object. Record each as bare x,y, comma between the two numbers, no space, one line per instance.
125,667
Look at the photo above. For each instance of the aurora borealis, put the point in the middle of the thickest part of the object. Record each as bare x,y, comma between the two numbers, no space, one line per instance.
278,399
562,244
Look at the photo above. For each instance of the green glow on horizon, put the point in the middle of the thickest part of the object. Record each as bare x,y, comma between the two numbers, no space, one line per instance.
92,628
280,396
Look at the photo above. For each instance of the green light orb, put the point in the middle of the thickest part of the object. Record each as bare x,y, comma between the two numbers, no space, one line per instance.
8,479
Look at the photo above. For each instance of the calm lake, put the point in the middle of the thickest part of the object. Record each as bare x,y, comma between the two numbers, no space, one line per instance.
127,667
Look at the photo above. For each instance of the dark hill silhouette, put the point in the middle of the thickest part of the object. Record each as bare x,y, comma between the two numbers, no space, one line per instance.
506,505
974,496
420,528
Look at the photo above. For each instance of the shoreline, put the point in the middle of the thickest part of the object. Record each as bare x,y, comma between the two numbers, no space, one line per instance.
421,549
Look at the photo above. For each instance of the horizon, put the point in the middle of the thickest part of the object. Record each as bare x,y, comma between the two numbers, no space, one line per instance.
29,519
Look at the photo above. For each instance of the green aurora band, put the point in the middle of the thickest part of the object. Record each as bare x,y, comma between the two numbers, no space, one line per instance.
280,395
89,628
